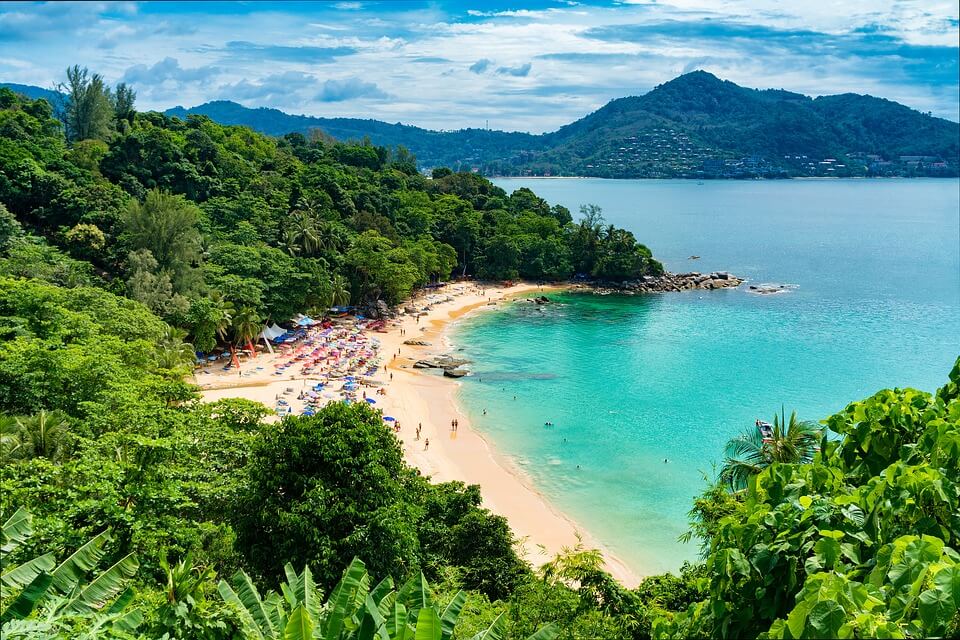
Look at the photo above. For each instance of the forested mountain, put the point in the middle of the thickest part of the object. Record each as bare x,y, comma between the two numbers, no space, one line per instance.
126,503
461,149
693,126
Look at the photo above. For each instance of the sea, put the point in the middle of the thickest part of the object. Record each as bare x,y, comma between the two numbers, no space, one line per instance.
617,408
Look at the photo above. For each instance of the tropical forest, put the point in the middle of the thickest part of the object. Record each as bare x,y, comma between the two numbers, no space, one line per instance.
131,241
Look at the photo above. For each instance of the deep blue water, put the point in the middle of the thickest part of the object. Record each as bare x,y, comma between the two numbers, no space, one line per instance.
631,381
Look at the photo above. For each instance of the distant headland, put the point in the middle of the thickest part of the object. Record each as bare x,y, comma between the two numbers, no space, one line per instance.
695,126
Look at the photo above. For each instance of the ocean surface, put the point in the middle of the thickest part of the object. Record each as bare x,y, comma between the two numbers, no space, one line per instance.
629,382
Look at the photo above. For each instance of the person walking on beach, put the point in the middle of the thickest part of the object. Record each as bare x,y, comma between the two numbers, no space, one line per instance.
426,444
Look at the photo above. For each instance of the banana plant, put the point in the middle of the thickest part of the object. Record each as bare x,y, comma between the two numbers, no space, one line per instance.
60,590
353,611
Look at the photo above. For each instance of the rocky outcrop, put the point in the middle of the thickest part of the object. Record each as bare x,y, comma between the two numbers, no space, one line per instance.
540,300
417,343
445,362
667,282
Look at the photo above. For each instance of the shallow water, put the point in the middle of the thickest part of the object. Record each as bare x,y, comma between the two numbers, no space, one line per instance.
631,381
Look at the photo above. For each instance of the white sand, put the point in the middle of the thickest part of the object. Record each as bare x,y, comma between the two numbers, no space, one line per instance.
414,397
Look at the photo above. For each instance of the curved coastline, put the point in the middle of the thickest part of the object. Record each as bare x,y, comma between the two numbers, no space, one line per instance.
416,397
466,455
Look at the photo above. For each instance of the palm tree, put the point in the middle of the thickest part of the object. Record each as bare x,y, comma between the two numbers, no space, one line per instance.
339,291
42,435
305,230
246,325
172,351
222,315
291,241
792,442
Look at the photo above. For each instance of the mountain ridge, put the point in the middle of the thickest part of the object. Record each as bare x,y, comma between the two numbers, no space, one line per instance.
695,125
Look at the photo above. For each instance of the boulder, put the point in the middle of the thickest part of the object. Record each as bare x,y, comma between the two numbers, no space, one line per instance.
455,373
424,364
417,343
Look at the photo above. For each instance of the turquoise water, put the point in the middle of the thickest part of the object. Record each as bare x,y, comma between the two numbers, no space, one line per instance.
630,381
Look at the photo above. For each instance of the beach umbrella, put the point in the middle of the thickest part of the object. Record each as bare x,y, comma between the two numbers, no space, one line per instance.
371,401
389,419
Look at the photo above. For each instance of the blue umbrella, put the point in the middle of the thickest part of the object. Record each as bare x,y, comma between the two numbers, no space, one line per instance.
389,419
371,401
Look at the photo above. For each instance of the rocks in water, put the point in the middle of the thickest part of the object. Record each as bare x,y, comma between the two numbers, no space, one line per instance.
445,362
417,343
767,289
668,282
455,373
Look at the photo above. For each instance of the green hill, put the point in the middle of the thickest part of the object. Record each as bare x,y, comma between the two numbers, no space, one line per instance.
695,126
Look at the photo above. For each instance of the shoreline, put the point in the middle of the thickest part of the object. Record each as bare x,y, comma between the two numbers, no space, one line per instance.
417,396
469,457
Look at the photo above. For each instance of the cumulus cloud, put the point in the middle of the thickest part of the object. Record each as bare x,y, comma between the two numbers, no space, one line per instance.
167,70
481,65
349,89
269,88
271,54
521,71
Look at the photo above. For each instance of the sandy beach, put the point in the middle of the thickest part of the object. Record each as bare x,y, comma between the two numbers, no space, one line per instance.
423,397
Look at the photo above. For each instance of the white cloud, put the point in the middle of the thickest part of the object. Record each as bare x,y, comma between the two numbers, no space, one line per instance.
525,69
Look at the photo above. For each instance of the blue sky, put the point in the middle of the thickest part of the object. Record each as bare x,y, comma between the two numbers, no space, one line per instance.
529,65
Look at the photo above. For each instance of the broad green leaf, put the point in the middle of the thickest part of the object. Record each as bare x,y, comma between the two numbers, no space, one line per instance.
496,631
249,624
373,624
342,603
805,501
451,613
82,561
936,610
25,573
27,599
825,619
948,579
15,530
797,619
247,601
128,622
828,552
415,594
428,625
383,587
397,622
299,626
850,551
122,601
105,586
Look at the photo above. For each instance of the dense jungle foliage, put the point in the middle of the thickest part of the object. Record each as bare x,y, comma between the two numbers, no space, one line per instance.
130,509
206,223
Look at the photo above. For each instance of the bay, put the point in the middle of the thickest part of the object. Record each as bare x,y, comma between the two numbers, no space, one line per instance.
643,391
